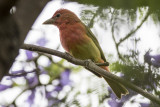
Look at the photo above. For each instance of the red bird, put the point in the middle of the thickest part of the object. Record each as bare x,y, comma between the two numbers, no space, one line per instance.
81,43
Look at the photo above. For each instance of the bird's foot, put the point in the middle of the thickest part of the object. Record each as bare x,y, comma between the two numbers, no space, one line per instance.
87,64
102,64
69,55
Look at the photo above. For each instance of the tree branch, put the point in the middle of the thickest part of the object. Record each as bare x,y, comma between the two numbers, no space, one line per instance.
90,24
114,39
133,31
93,68
117,44
20,74
113,36
14,28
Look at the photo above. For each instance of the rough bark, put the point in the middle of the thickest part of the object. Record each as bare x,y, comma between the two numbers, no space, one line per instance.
14,28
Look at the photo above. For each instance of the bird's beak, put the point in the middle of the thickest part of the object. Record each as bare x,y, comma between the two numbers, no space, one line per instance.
49,21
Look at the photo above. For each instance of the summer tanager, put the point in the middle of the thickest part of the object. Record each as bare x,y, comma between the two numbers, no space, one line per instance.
81,43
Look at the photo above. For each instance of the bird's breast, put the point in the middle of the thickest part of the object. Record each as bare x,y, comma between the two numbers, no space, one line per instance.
71,36
77,43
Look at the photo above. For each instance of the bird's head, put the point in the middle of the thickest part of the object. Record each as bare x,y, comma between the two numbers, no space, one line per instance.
61,17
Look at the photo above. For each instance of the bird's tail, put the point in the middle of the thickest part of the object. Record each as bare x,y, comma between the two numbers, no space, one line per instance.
117,88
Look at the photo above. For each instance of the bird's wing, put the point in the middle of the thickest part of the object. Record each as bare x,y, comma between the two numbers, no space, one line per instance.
91,35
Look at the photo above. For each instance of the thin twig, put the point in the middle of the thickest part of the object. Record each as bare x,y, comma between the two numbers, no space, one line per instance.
21,74
113,36
128,35
133,31
94,68
90,24
112,29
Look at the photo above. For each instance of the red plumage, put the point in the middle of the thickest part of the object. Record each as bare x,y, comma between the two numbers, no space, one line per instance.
81,43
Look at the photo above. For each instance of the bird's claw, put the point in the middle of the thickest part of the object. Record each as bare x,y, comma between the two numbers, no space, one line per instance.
87,62
69,55
102,64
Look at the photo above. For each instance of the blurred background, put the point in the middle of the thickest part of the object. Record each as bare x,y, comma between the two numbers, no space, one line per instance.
128,32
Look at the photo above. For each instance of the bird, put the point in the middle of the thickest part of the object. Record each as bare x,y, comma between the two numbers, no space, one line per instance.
79,41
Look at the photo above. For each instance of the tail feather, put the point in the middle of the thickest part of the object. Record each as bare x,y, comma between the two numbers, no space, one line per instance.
117,88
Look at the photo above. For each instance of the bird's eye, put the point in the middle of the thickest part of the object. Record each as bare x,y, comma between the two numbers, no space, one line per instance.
58,15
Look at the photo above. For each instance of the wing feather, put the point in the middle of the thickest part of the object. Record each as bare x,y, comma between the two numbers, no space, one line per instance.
91,35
